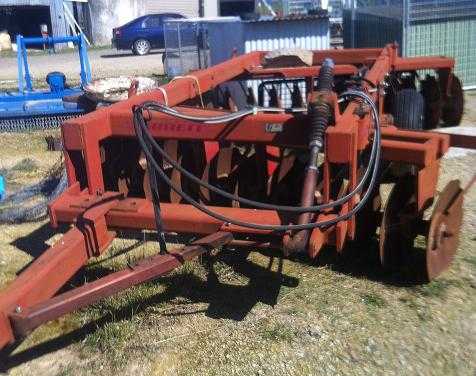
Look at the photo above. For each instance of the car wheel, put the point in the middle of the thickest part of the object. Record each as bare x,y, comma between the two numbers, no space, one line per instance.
141,47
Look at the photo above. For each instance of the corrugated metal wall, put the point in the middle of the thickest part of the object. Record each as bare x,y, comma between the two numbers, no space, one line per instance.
306,33
188,8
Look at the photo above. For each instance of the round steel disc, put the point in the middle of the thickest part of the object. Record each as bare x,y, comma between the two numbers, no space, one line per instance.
445,223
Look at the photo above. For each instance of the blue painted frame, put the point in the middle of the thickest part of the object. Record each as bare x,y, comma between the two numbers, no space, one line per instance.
30,102
24,77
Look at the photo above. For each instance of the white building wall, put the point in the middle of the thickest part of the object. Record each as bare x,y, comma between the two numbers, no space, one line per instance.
107,14
211,8
188,8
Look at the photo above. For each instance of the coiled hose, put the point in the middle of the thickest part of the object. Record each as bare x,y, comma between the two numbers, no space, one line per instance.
145,138
15,208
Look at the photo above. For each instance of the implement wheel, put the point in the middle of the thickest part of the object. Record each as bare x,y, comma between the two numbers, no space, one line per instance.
453,105
430,89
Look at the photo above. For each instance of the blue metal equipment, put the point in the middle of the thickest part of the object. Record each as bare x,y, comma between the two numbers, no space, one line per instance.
39,109
2,188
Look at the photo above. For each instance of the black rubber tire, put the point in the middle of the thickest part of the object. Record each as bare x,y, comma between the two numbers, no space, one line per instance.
430,89
408,109
453,107
141,47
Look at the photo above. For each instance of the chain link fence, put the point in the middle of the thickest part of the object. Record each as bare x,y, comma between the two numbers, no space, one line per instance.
186,47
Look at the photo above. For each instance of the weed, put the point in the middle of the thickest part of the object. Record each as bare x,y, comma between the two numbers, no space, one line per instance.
278,332
25,165
435,289
373,301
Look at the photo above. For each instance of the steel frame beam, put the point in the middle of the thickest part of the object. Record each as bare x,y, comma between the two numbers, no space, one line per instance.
31,317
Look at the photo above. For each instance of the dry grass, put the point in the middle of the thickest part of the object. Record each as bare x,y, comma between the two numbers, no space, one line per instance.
243,314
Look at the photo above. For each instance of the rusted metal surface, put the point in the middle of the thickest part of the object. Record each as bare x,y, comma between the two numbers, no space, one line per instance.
445,224
31,317
462,137
258,156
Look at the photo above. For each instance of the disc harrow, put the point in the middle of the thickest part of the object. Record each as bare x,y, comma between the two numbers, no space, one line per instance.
296,165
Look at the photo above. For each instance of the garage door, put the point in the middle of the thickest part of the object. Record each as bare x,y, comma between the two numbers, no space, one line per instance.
188,8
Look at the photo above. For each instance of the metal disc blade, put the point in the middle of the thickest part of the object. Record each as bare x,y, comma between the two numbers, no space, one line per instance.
445,224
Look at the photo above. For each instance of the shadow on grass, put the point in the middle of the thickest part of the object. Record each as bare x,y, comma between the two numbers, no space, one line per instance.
362,260
229,301
224,300
34,243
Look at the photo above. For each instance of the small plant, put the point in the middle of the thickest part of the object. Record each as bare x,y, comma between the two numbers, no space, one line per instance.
25,165
279,333
373,300
435,289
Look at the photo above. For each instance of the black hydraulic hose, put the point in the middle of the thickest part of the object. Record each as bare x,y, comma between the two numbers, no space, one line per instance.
19,214
140,122
156,106
262,205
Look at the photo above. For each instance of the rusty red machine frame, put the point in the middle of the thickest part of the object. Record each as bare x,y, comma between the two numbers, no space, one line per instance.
94,210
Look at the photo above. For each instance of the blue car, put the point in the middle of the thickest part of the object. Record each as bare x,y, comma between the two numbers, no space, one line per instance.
142,34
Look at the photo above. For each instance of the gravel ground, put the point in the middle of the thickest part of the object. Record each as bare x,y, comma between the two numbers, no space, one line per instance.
104,63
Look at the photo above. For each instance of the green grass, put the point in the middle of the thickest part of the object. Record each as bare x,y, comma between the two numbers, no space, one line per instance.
25,165
434,289
470,260
278,332
373,301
